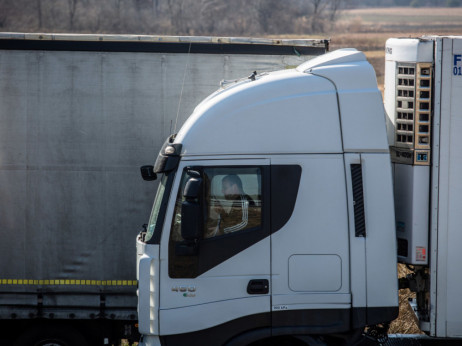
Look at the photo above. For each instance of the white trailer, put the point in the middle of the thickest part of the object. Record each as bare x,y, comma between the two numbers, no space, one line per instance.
423,99
78,115
311,256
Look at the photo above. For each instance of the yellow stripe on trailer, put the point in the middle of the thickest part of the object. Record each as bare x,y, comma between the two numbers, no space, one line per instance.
68,282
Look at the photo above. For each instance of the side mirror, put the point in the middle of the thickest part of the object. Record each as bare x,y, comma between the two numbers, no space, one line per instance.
192,188
191,217
191,221
191,226
147,172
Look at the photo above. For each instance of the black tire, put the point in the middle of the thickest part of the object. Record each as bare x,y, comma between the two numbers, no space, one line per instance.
51,336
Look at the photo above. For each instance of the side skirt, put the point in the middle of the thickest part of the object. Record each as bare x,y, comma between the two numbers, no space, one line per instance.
251,328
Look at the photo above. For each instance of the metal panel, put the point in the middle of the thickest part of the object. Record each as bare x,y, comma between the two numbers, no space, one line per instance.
162,44
74,129
450,237
310,234
380,241
71,300
443,202
434,204
411,190
357,244
306,275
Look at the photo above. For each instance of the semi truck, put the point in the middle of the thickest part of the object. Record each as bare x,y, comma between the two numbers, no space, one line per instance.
287,199
78,115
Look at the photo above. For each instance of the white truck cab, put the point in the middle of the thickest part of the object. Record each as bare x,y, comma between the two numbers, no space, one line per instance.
274,215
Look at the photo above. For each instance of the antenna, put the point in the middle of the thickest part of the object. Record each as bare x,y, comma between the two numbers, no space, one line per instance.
182,86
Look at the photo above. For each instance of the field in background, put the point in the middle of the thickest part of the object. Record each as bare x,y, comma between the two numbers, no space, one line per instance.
368,29
403,19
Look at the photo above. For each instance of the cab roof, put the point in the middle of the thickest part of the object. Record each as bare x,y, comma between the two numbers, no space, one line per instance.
330,104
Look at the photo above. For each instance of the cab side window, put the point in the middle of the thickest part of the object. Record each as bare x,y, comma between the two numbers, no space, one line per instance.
232,200
230,203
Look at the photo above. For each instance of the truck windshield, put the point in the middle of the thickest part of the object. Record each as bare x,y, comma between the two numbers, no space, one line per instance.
158,210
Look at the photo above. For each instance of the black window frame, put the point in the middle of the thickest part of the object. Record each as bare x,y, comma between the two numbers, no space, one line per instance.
280,185
215,250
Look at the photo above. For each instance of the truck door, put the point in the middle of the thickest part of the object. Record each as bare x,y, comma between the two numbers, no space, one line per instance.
310,250
215,277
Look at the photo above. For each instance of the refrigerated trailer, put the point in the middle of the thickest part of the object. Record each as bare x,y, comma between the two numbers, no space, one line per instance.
423,101
78,115
287,200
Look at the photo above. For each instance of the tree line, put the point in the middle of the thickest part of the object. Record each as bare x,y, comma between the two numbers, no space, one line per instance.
404,3
170,17
185,17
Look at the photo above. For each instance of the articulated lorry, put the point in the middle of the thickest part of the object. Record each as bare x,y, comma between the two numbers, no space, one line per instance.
287,199
78,115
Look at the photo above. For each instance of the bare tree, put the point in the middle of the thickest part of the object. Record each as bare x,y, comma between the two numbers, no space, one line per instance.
324,13
319,7
155,6
117,6
211,14
335,6
72,7
176,17
275,16
39,13
264,13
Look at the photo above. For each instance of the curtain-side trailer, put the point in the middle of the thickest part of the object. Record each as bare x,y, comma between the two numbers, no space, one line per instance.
78,115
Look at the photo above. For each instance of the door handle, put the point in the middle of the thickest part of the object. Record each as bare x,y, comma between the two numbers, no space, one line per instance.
260,286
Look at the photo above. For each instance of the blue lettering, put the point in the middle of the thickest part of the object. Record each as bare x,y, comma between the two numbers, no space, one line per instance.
457,58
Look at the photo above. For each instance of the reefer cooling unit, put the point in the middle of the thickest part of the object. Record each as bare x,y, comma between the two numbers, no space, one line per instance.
408,102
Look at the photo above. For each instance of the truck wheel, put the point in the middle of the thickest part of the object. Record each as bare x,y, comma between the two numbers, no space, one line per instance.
51,336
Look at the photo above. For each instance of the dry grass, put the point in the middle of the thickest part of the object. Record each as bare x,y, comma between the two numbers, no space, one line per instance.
404,19
407,322
405,15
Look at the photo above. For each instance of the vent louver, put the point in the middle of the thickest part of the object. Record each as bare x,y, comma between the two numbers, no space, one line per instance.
413,113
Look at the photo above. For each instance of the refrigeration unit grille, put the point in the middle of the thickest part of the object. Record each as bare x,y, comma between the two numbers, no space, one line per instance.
413,113
405,105
423,113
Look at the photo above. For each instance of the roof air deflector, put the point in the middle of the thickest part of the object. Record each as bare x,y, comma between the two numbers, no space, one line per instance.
340,56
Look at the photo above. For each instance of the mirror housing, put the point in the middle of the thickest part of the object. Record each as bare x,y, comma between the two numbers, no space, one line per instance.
192,188
191,216
147,173
191,221
169,156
